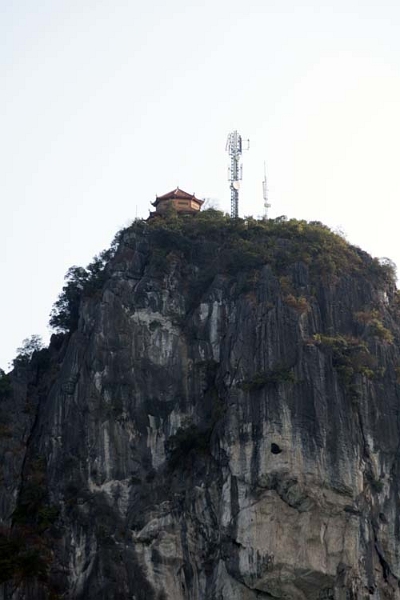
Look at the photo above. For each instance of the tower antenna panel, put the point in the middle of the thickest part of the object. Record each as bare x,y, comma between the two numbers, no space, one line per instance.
234,147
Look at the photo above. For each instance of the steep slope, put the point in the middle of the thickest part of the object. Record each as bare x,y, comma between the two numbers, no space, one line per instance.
222,424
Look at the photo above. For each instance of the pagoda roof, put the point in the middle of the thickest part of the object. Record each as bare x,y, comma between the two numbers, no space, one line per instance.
177,194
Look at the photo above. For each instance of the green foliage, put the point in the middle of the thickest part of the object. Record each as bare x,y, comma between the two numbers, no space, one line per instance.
80,282
212,244
375,484
215,243
5,385
366,317
65,312
350,356
299,303
371,319
25,352
268,378
387,268
380,331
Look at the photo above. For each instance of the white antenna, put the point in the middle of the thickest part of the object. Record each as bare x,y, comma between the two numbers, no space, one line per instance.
265,194
234,147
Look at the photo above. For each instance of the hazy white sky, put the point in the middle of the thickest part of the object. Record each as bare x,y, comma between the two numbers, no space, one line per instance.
106,103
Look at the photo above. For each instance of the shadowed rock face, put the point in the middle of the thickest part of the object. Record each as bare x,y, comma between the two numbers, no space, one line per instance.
234,445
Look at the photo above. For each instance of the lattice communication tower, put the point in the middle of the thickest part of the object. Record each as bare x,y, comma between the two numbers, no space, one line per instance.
234,146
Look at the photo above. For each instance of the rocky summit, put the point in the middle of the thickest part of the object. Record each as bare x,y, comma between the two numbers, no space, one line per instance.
216,418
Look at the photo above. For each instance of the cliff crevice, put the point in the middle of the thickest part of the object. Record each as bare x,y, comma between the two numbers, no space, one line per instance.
220,421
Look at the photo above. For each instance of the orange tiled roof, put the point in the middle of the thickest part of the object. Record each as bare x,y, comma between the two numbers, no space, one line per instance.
177,194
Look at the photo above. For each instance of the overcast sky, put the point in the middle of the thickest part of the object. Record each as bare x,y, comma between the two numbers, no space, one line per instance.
105,104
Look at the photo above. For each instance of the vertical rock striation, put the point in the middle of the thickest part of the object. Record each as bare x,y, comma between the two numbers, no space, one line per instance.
213,434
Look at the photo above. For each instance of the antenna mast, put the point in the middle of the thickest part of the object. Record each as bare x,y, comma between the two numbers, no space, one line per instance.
265,195
234,148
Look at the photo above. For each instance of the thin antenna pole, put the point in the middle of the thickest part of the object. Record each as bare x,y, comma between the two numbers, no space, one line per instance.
265,194
234,148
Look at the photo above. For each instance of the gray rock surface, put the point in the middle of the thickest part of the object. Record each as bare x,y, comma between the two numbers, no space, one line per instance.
213,446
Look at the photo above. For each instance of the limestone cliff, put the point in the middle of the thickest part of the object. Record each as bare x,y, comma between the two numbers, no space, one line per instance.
222,424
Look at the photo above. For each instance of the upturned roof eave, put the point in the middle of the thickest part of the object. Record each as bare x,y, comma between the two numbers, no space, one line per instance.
176,194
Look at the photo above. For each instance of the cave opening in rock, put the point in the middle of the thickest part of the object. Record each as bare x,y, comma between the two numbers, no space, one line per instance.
275,449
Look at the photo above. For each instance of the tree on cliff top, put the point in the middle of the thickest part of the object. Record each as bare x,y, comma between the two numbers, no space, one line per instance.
24,353
215,243
80,282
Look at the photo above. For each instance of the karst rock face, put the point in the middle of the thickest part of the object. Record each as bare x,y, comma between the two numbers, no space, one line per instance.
230,441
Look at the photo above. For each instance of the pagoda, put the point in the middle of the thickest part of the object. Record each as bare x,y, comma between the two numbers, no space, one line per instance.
182,202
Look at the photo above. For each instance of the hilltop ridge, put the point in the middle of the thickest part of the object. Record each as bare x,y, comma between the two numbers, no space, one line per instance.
216,418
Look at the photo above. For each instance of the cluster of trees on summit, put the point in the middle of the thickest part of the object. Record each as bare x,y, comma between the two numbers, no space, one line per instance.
216,243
